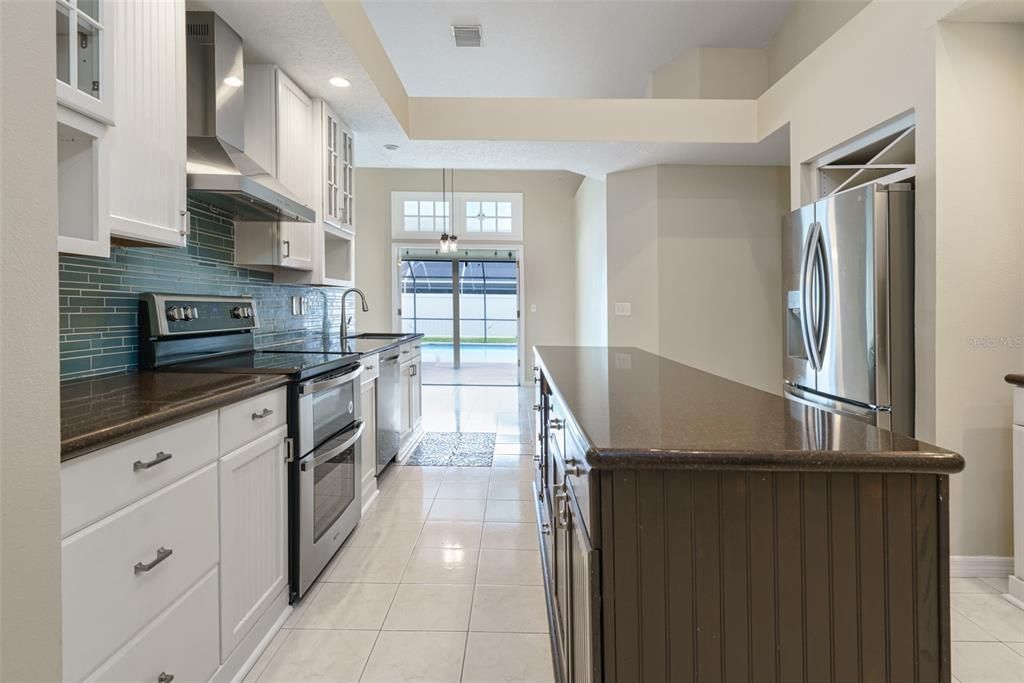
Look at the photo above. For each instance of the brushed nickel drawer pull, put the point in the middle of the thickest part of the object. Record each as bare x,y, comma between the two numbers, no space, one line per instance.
160,457
162,554
267,412
164,677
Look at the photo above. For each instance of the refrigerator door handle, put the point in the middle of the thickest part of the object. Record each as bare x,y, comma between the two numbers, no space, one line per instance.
807,307
824,289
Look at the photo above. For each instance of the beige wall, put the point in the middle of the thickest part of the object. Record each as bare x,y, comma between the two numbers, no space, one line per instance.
719,269
979,229
548,239
808,24
713,73
29,413
590,223
695,252
632,198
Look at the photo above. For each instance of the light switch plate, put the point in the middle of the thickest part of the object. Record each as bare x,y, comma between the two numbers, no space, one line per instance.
623,309
533,308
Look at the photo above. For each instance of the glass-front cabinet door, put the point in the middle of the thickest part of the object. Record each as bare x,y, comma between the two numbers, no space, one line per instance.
83,47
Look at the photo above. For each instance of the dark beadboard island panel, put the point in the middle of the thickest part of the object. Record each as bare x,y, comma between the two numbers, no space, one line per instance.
698,530
99,296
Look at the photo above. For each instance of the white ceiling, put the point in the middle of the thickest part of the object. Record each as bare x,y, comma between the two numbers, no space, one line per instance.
559,48
301,37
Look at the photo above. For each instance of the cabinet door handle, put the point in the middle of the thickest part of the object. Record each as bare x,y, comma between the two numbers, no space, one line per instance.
287,248
267,412
164,677
413,371
562,508
160,457
162,554
545,529
186,223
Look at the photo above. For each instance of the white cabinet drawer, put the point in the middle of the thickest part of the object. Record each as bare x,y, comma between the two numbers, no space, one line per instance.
252,418
371,368
410,350
181,642
108,594
1018,405
97,484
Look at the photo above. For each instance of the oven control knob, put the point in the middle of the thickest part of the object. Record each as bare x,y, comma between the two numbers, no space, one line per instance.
248,311
174,313
188,313
237,312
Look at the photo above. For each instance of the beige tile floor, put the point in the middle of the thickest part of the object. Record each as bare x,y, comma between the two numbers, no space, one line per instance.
441,581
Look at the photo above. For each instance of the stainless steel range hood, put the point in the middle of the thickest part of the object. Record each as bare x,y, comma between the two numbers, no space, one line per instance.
219,172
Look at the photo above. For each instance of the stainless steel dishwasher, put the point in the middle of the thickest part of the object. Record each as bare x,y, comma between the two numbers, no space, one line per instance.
389,415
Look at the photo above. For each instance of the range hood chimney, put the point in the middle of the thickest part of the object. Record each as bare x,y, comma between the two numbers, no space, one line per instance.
219,172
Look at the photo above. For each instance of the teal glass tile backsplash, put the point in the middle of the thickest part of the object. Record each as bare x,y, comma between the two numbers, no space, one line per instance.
99,296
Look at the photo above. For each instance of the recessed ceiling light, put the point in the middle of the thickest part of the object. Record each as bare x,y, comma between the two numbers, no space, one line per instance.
391,147
339,82
233,81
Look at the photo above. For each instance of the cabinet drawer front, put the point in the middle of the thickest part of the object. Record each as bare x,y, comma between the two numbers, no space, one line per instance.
181,642
410,350
108,593
97,484
371,368
1018,406
252,418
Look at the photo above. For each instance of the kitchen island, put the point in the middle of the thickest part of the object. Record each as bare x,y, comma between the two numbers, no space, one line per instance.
696,529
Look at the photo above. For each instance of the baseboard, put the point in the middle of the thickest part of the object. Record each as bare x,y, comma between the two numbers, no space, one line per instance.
410,445
980,566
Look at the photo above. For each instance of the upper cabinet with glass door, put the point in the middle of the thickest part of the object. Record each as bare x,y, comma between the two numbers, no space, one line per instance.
338,181
84,57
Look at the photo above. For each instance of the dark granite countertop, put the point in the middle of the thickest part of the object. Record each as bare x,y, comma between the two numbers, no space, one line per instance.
1015,378
99,412
639,410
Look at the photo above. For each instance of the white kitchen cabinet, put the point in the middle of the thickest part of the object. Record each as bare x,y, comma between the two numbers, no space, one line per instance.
280,138
415,396
410,395
404,401
85,41
253,537
175,550
336,179
368,467
82,227
1016,580
146,149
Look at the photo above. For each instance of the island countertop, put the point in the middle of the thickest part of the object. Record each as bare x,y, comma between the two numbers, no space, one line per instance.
638,410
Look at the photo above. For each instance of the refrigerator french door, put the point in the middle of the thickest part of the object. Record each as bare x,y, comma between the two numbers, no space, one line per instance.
848,292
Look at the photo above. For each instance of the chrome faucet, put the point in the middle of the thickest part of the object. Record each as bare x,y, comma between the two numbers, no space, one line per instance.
345,318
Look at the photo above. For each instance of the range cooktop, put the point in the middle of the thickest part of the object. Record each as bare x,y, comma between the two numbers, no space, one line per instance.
298,365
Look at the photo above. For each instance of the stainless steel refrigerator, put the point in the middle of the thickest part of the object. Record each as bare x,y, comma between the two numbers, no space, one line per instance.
848,301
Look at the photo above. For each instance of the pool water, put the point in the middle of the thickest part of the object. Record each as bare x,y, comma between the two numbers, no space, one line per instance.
439,352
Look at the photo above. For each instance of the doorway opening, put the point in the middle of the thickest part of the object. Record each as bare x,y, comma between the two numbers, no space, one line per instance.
467,307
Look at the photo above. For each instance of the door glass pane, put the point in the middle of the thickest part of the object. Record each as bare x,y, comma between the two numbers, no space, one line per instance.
88,58
427,307
90,7
63,46
488,322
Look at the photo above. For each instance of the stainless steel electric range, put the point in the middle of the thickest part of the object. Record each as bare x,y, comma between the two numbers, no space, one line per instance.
187,333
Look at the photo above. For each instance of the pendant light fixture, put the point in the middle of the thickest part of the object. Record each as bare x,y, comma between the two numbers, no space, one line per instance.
449,242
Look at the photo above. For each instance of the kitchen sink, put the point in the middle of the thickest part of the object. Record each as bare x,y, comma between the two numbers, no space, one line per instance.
379,335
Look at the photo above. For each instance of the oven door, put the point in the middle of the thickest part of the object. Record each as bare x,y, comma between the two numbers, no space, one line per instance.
329,501
327,405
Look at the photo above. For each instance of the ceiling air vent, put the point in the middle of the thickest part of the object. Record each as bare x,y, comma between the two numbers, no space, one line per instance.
466,35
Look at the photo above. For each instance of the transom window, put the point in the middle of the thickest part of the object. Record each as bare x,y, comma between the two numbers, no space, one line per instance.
473,216
489,217
425,216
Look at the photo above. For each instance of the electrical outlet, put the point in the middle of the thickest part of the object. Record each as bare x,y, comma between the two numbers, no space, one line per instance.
623,309
533,308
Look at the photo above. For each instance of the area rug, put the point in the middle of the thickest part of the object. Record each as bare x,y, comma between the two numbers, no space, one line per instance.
454,449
